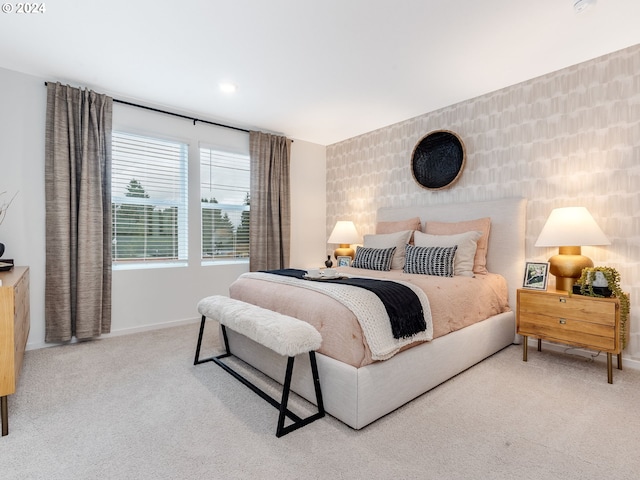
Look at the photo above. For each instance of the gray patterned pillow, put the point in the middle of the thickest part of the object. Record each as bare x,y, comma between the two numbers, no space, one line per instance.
374,258
430,260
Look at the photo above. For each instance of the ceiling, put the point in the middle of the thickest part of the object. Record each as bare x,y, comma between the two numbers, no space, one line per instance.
315,70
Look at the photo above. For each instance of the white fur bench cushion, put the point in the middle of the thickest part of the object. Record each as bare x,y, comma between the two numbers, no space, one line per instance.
283,334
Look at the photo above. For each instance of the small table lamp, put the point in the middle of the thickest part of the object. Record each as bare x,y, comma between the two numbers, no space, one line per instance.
344,233
569,229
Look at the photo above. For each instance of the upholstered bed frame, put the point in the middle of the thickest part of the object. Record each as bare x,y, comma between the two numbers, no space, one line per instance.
358,396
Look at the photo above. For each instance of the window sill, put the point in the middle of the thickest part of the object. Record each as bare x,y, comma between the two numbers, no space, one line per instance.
209,263
148,265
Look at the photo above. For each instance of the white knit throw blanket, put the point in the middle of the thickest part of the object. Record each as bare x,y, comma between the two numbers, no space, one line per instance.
368,309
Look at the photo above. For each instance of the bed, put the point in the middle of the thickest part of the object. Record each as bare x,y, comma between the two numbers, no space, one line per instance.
359,386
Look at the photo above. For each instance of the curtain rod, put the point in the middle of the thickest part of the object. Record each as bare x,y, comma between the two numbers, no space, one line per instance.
177,115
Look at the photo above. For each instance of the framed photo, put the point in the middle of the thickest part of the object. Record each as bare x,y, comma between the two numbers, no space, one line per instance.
535,275
344,261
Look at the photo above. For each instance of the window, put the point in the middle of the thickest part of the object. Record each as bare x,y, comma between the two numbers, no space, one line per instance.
148,199
224,196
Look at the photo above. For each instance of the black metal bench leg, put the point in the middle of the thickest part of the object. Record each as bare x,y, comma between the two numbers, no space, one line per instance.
316,381
196,360
299,422
285,397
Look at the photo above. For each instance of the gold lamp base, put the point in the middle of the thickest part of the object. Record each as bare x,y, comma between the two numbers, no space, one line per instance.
344,250
567,267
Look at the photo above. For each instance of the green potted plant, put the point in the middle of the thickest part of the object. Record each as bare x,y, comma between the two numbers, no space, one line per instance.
592,276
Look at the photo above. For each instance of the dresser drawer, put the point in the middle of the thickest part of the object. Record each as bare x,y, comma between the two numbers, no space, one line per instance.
570,331
576,320
593,310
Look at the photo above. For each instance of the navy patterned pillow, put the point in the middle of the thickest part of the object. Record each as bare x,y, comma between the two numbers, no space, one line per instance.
430,260
374,258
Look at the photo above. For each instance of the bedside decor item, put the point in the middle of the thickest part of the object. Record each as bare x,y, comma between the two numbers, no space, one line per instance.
535,275
328,262
344,261
438,159
569,229
344,233
590,285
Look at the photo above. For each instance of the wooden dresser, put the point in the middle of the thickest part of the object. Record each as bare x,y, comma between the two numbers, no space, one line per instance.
576,320
14,330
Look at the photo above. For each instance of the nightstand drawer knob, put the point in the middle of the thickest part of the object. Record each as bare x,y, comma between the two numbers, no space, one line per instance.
563,321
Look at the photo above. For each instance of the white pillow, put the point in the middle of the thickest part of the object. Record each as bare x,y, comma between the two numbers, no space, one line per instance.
467,243
389,240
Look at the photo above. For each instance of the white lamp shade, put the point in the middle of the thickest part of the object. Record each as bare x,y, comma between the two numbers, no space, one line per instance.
344,233
571,226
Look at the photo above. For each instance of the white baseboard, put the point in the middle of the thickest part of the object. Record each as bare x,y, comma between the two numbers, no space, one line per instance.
123,331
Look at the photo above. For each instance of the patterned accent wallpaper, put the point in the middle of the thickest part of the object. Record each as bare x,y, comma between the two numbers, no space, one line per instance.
569,138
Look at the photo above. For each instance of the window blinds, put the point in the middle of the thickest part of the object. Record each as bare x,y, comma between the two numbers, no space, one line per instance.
225,203
149,199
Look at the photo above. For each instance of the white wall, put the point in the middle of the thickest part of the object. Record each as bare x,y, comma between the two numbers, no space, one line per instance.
144,298
308,210
22,130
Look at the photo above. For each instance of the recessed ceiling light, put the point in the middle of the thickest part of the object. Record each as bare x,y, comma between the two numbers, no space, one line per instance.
582,5
227,87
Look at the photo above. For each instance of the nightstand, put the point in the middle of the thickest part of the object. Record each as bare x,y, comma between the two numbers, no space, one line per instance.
576,320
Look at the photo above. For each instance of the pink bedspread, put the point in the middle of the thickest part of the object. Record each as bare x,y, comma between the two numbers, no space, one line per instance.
455,303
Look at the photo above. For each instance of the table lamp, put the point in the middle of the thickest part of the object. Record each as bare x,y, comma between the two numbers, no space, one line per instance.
344,234
569,229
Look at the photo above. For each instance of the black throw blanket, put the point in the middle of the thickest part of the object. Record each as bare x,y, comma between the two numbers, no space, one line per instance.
402,304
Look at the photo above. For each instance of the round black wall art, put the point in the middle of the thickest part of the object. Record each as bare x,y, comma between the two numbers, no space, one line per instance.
438,159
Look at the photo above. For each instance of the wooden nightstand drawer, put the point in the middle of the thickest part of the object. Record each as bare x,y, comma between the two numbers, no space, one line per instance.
593,310
568,330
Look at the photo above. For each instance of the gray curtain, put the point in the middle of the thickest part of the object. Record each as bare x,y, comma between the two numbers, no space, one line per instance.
270,220
78,213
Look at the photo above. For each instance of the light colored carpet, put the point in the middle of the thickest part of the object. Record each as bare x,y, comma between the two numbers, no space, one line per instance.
135,407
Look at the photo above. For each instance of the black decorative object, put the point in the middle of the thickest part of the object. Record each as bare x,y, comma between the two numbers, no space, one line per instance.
1,249
602,291
438,159
328,262
6,264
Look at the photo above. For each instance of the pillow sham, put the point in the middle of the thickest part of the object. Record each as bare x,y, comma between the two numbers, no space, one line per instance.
479,225
399,226
430,260
466,242
373,258
388,240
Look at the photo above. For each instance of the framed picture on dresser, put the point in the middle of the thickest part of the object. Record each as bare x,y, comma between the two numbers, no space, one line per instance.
536,275
344,261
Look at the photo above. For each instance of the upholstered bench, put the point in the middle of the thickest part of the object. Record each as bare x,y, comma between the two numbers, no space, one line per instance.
285,335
